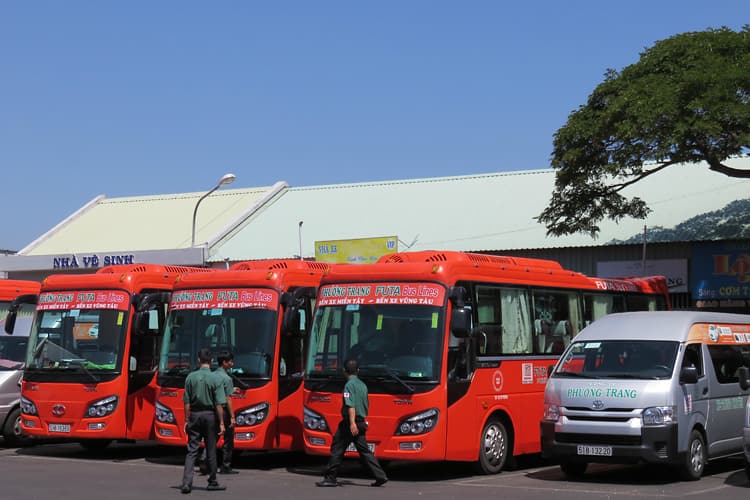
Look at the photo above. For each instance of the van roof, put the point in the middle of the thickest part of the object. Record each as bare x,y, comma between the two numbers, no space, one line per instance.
654,325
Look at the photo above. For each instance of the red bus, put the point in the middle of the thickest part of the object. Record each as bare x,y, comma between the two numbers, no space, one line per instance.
90,373
454,348
261,312
13,356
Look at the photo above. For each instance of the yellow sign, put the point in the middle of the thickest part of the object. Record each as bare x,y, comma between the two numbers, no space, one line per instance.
357,251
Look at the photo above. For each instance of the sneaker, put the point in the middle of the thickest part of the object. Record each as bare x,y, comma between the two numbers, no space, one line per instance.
379,482
215,487
186,488
227,470
327,483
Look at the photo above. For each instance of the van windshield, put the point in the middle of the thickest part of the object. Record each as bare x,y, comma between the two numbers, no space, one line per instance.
641,359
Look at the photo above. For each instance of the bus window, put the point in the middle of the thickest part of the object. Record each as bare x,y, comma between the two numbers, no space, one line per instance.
557,319
504,321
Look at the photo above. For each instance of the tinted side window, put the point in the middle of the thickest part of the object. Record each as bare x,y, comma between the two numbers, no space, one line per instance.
726,359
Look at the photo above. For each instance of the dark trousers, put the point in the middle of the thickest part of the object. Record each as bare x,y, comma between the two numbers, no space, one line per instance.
227,450
341,440
201,426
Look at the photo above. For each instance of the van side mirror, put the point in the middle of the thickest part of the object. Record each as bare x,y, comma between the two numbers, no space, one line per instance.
688,375
743,373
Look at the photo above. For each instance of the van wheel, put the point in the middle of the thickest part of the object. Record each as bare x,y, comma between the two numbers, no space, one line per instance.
12,430
493,447
574,469
95,444
695,458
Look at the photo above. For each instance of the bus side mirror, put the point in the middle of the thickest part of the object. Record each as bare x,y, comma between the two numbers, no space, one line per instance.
743,373
689,375
461,323
294,304
10,319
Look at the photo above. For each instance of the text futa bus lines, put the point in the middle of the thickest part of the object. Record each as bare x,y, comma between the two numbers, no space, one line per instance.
260,311
13,356
454,349
90,373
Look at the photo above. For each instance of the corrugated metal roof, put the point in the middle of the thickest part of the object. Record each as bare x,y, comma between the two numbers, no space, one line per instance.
468,213
150,222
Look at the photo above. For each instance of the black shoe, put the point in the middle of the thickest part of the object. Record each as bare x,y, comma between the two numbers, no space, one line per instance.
379,482
227,470
186,488
327,483
215,487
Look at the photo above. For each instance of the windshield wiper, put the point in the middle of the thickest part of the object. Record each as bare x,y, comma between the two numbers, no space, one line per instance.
392,373
574,375
240,383
79,363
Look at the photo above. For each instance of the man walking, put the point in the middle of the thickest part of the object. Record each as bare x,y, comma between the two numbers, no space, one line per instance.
203,400
352,429
226,362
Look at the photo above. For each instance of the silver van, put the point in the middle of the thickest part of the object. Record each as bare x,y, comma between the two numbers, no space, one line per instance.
12,358
656,387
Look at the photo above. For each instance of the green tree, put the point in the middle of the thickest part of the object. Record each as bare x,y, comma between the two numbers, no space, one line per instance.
686,100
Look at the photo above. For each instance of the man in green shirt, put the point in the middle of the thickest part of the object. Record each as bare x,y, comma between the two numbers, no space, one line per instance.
203,399
352,429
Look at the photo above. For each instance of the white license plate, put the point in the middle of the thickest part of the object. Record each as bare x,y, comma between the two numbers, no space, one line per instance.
370,446
59,427
597,451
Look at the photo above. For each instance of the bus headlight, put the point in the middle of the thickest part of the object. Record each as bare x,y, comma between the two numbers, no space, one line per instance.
253,415
164,414
101,408
27,407
551,413
418,424
658,415
315,421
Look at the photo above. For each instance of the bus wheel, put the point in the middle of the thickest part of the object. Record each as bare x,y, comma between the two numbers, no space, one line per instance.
573,469
12,430
493,447
695,458
95,444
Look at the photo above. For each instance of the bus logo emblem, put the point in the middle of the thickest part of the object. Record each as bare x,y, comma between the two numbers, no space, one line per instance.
58,410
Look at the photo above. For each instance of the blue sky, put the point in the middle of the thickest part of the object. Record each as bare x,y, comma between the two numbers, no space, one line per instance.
147,97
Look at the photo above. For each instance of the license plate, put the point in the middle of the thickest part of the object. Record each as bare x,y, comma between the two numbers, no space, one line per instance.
59,427
370,446
597,451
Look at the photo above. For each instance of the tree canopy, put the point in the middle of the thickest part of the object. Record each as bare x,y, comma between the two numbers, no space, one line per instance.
687,100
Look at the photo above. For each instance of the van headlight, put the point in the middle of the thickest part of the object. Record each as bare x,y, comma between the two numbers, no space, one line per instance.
27,407
658,415
551,413
418,424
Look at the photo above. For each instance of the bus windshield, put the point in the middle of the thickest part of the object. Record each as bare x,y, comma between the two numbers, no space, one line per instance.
249,334
389,340
72,339
639,359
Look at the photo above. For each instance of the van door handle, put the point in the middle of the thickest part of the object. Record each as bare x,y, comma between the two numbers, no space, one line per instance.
705,391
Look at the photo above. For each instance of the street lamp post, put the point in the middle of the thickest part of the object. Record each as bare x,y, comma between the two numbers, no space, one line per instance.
226,179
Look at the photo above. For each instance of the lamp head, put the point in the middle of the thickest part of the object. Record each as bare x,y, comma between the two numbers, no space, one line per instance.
227,179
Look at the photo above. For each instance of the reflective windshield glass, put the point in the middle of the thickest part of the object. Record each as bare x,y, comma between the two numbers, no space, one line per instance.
248,332
619,359
13,347
74,338
401,340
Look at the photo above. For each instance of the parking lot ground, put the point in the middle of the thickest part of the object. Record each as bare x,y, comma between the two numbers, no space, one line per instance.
143,471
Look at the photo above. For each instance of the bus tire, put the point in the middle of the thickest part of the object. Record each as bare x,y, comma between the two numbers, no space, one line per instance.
695,458
95,444
493,447
573,470
12,430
